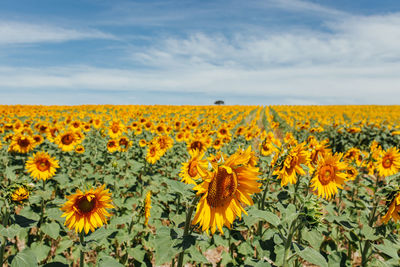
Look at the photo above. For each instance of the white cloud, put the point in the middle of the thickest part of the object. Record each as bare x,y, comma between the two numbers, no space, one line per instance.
12,32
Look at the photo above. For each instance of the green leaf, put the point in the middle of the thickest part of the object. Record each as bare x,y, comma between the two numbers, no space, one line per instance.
137,253
108,261
388,249
196,256
51,229
312,256
10,231
99,234
268,217
25,258
41,251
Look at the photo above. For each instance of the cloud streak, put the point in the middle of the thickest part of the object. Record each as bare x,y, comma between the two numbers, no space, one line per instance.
12,32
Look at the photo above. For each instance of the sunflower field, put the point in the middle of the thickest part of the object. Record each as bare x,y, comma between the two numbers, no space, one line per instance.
102,185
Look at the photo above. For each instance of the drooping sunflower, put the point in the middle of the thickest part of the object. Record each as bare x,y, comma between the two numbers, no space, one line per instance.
389,162
87,210
194,168
330,175
42,166
393,211
292,165
20,194
22,143
147,208
224,192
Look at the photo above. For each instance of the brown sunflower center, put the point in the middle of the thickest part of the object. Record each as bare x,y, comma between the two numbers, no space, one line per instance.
387,162
67,139
196,145
43,165
85,205
326,174
115,128
23,142
192,169
222,187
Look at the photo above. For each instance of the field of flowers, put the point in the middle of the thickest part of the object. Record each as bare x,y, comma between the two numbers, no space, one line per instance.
199,185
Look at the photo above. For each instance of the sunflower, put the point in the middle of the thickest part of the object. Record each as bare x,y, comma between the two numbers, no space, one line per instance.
67,140
198,144
389,162
224,192
330,175
393,211
88,210
147,207
142,143
79,149
22,143
42,166
20,194
153,153
194,168
116,129
38,139
292,165
351,173
124,144
267,147
112,146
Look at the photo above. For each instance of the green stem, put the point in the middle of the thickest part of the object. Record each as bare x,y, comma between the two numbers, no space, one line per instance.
82,256
288,243
42,205
187,226
261,223
4,241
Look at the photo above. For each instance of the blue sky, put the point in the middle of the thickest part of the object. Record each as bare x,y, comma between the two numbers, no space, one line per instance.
253,52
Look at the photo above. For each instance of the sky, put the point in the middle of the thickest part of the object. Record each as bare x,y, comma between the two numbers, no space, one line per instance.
186,52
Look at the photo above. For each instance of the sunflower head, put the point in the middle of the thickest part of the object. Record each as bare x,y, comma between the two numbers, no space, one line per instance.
42,166
225,190
87,210
20,194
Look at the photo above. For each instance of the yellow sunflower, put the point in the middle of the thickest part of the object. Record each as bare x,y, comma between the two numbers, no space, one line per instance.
67,140
124,143
224,192
20,194
147,207
87,210
292,165
112,146
80,149
22,143
389,162
194,168
330,175
142,143
42,166
153,153
393,211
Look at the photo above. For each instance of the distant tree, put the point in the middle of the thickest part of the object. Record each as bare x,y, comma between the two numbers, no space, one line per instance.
219,102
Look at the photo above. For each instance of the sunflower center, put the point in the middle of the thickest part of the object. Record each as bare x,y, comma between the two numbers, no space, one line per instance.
67,139
23,142
222,187
387,162
196,145
192,169
326,174
86,205
43,165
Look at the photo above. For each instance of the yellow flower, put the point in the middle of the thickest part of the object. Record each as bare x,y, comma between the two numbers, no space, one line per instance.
79,149
42,166
67,141
389,162
20,194
291,166
330,175
393,211
224,192
194,168
87,210
142,143
153,153
112,146
22,143
147,207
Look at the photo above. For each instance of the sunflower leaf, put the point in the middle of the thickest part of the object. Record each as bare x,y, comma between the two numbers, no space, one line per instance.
312,256
25,258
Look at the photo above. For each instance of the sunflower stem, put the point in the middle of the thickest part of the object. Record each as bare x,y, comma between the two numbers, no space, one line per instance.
260,224
42,206
82,256
4,241
186,229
